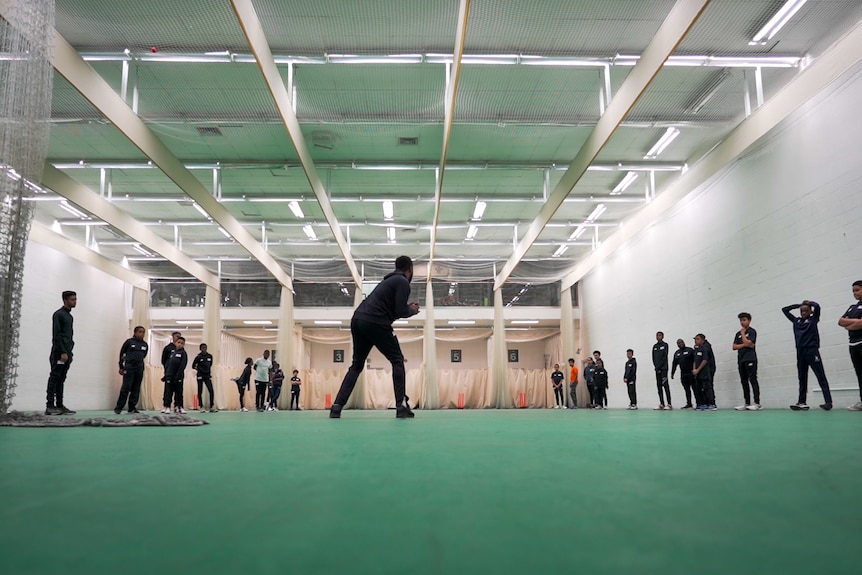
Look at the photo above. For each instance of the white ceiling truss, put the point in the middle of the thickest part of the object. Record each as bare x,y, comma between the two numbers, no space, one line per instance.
486,140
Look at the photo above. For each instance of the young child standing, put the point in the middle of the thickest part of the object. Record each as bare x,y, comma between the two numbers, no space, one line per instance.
630,377
557,383
277,381
132,355
203,364
174,373
243,383
295,382
600,384
744,343
807,337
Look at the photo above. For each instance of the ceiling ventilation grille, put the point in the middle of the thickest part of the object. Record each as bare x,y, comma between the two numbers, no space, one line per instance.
408,141
209,131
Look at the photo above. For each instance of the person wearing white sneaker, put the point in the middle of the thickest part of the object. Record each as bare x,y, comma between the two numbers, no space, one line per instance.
852,322
243,382
701,373
557,377
807,337
744,343
630,377
174,372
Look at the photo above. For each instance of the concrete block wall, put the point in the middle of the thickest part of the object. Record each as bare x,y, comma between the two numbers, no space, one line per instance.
782,224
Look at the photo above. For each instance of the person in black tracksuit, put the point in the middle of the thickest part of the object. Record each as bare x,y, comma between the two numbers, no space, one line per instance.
62,343
243,383
295,384
600,384
702,374
132,354
557,378
852,322
630,377
277,377
684,359
589,370
807,337
174,374
166,355
659,362
371,326
744,343
203,364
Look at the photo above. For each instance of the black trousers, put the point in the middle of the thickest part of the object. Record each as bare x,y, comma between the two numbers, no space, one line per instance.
592,390
131,389
559,396
573,393
856,358
274,394
687,380
806,358
240,387
365,336
173,392
633,392
748,374
704,386
600,395
205,381
260,393
56,381
662,385
294,396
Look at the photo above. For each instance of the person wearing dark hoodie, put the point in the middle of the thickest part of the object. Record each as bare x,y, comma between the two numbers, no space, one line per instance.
132,355
371,326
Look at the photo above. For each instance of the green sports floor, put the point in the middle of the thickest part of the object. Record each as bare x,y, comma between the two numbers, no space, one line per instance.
498,492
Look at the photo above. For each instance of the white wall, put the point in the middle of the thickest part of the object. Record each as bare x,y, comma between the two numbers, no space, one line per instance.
101,325
781,225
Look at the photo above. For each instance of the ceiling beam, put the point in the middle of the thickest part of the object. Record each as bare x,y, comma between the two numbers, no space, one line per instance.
253,31
674,28
93,87
836,61
90,201
44,235
448,117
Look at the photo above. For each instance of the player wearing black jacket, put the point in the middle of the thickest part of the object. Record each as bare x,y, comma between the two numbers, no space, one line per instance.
684,359
630,377
132,354
174,372
807,337
371,326
61,355
600,384
203,364
659,362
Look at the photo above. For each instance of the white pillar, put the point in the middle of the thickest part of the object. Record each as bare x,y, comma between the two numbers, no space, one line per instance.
212,337
500,396
430,392
286,346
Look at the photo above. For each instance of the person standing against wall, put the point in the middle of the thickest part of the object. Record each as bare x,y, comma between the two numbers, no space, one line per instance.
600,384
203,365
175,372
630,378
132,354
684,359
60,358
806,334
659,362
166,355
589,370
573,382
295,384
852,322
744,343
261,379
557,378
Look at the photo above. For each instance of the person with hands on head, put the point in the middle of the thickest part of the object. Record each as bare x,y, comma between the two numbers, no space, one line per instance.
807,337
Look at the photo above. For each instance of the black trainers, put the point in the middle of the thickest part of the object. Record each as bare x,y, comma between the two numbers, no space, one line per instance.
404,411
118,411
134,410
335,411
52,411
826,406
66,411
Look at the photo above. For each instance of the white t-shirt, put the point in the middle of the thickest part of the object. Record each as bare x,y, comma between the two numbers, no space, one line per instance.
261,369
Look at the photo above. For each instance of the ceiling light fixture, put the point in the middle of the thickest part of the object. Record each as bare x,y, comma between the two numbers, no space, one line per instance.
327,322
224,232
309,231
525,321
560,251
142,251
296,209
74,211
388,210
202,211
579,231
709,90
784,14
462,322
257,322
659,147
472,231
190,322
600,209
390,234
624,183
479,210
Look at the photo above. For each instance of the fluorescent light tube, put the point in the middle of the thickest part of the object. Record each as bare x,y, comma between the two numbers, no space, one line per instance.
784,14
388,210
560,251
525,321
296,209
224,232
479,210
190,322
625,183
309,231
327,322
390,234
663,142
201,210
600,209
462,322
579,231
472,231
257,322
74,211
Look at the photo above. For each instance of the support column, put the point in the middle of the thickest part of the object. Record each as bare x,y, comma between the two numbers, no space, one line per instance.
141,316
431,392
286,344
500,396
212,337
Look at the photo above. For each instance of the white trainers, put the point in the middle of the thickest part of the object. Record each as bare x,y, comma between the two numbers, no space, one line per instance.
202,410
754,407
799,407
274,408
181,411
244,409
742,407
856,407
166,410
